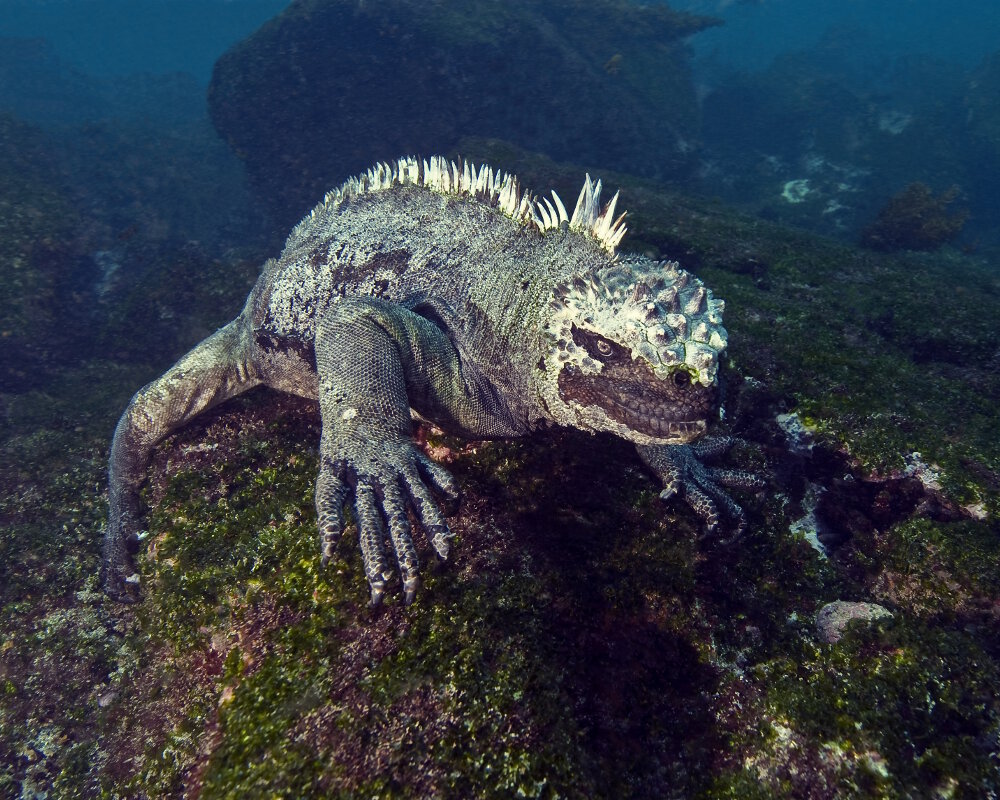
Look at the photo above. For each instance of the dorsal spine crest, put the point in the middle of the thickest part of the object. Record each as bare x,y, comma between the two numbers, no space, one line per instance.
500,190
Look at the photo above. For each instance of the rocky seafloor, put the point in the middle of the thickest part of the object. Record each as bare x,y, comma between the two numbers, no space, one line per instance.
584,639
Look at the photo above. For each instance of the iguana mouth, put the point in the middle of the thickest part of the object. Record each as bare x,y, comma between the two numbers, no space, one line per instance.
660,408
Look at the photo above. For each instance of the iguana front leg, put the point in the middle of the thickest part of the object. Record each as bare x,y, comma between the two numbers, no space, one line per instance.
680,468
375,361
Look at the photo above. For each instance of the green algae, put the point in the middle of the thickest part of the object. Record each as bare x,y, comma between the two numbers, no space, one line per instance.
581,641
921,697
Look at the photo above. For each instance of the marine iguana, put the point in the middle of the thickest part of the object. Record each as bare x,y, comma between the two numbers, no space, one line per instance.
448,291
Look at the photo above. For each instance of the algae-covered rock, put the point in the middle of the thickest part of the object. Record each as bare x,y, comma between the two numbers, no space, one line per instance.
582,640
832,619
916,219
330,86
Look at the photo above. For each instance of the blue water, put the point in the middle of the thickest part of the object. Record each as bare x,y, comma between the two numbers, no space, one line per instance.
756,31
118,37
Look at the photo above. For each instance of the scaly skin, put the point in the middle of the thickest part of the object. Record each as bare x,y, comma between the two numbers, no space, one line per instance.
445,291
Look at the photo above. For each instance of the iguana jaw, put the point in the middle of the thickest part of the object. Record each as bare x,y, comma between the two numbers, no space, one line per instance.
631,401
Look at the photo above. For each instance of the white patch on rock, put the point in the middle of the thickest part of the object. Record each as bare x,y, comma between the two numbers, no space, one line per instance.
928,474
796,191
832,618
809,526
797,435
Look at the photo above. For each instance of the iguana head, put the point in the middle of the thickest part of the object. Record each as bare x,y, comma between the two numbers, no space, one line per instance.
633,347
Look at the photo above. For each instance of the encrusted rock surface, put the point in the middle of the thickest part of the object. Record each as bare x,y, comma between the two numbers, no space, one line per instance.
582,641
832,619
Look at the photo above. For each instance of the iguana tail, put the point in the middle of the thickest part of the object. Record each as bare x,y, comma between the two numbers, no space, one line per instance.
218,368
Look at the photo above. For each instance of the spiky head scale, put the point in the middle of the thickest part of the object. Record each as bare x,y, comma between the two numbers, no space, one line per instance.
667,322
661,312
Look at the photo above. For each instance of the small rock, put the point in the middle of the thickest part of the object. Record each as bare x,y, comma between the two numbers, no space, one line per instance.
797,435
833,617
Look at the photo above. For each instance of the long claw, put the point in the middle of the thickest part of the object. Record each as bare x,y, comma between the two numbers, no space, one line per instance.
370,536
387,482
738,479
703,505
713,446
441,540
399,532
671,489
681,471
431,519
410,586
331,492
378,592
440,477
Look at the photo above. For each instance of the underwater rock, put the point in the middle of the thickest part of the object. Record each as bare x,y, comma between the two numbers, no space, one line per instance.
329,87
583,642
797,434
983,113
916,219
832,618
40,256
813,116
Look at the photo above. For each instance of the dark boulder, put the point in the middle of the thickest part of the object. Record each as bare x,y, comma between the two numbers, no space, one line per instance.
330,86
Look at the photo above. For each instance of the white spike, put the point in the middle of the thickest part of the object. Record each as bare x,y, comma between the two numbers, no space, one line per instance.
595,204
582,203
506,193
602,226
544,214
536,220
524,210
563,216
500,189
553,214
514,198
616,233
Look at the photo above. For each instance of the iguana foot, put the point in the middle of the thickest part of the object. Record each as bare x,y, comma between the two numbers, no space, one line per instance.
388,478
681,469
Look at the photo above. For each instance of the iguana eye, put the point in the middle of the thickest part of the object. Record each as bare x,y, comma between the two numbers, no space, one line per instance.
603,347
681,380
